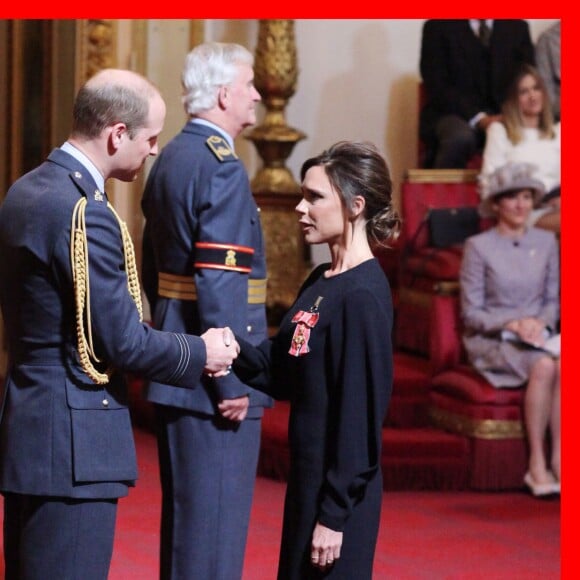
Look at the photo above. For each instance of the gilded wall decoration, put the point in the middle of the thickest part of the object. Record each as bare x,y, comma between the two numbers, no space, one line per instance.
96,47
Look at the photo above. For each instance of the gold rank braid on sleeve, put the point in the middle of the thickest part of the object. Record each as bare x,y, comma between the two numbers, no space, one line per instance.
80,273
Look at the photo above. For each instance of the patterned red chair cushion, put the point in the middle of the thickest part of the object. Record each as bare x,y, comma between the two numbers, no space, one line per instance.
466,384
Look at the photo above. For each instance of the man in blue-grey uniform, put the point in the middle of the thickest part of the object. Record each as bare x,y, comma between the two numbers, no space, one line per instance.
71,303
203,267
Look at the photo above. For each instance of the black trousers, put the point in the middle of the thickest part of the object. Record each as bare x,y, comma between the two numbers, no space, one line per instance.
46,538
457,142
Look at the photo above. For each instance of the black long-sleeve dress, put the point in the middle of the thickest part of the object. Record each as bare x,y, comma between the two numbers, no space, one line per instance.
332,359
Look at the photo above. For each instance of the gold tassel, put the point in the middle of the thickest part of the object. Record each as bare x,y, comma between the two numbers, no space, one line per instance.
130,264
80,273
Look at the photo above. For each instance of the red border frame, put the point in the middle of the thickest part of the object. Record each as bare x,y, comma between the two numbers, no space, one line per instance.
308,9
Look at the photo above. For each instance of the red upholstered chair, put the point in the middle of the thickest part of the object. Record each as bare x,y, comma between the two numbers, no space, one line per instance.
463,402
424,269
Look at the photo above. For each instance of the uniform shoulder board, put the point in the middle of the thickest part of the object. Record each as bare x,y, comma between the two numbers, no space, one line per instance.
77,179
220,148
85,187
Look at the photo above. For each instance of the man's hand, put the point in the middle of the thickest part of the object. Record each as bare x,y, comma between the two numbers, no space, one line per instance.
234,409
487,120
221,351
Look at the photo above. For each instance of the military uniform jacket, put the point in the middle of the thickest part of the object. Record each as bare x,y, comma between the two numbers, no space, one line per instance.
198,198
60,433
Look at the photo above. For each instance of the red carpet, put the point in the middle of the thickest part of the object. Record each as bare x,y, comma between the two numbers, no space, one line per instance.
424,535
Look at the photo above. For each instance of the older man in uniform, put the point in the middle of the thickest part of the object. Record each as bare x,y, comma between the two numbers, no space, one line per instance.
204,266
71,303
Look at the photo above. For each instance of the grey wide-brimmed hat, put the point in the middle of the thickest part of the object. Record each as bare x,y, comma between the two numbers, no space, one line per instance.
513,176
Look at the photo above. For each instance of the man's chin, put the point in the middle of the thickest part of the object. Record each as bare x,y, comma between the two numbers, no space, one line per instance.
127,176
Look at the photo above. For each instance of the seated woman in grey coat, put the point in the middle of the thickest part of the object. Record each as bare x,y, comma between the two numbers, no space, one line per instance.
510,308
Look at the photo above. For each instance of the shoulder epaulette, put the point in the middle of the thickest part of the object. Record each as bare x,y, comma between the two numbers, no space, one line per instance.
84,188
220,148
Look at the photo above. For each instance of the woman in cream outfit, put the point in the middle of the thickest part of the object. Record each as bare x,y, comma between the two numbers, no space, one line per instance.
527,133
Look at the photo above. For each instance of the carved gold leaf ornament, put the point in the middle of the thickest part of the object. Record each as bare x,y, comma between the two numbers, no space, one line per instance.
275,68
276,73
97,47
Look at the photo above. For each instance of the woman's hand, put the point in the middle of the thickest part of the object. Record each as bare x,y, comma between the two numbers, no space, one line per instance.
326,544
529,329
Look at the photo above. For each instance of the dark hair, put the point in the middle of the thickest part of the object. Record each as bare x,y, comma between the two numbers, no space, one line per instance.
100,106
357,168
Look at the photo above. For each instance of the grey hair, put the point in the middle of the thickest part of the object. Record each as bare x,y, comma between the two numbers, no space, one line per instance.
208,67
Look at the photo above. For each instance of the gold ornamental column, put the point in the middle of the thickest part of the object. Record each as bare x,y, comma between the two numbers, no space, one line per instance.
96,47
275,190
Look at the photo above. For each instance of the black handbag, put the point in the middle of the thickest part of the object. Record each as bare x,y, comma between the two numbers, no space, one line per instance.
446,227
451,226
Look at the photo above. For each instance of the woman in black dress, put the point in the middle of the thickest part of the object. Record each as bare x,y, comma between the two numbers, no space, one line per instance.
332,359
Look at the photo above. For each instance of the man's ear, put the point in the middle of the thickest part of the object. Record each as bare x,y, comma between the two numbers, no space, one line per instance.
118,132
223,96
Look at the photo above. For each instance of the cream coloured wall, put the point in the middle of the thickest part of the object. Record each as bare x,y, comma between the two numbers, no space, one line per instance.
358,80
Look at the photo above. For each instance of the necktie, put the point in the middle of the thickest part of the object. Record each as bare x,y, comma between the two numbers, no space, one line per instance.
484,33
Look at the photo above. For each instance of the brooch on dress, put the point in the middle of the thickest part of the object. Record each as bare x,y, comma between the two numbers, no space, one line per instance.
305,322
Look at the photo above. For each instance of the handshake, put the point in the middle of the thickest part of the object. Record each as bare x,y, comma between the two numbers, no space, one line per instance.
221,351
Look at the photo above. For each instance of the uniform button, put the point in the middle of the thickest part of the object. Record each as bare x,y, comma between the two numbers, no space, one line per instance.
78,174
105,402
249,328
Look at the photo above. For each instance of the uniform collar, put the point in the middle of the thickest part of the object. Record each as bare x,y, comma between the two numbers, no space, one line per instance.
474,23
215,127
86,163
